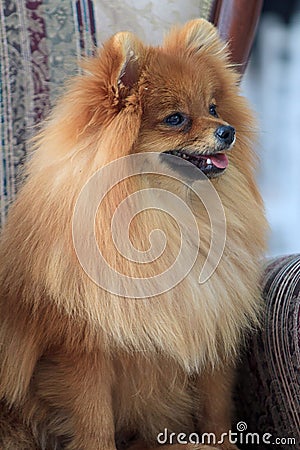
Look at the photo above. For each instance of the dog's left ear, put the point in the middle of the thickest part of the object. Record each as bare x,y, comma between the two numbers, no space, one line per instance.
195,37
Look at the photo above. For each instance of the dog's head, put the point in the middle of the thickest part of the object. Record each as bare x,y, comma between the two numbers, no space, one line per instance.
181,98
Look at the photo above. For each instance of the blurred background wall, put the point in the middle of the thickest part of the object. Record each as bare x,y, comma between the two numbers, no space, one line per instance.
272,83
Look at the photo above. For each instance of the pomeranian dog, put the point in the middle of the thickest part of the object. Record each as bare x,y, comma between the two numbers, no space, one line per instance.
86,364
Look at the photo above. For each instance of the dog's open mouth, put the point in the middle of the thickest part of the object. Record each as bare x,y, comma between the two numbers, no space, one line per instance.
211,165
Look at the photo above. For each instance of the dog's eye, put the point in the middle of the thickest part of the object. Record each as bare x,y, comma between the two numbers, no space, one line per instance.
213,110
175,120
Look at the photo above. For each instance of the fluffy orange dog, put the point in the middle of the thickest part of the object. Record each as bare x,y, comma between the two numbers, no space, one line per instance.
86,369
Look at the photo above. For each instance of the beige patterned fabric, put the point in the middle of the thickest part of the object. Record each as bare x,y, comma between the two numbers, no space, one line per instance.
205,8
148,19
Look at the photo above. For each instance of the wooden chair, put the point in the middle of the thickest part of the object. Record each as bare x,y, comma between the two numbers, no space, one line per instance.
236,21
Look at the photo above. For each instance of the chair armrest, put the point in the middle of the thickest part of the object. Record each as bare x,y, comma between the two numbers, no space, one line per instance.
237,21
268,388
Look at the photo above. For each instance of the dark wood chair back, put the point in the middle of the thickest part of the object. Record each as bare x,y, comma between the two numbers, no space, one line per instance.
237,21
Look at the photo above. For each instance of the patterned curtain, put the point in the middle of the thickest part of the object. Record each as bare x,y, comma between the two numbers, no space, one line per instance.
40,42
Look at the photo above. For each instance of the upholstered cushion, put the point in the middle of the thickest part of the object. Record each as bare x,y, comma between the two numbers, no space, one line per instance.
269,381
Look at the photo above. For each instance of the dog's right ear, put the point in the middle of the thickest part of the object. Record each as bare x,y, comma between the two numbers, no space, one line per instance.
130,50
122,57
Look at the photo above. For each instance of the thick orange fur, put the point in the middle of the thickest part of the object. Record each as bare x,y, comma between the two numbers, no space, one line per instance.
78,364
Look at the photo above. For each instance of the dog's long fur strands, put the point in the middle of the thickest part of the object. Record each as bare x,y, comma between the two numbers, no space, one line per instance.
77,363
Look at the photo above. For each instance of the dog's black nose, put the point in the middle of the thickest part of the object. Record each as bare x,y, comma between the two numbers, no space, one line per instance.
225,134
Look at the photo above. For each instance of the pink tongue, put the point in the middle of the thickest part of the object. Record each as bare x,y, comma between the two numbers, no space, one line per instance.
219,160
